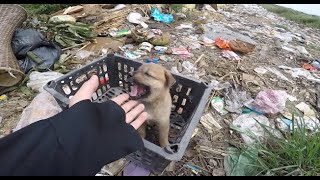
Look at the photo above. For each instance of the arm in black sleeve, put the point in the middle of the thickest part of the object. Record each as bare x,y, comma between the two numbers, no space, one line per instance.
77,141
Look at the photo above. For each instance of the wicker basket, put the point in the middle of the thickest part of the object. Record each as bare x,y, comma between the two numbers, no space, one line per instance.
11,17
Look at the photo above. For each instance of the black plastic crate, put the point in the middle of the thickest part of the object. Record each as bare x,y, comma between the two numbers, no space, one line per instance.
189,98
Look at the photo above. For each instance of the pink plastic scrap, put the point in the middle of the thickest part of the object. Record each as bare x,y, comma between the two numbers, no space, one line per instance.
134,170
270,101
183,52
230,55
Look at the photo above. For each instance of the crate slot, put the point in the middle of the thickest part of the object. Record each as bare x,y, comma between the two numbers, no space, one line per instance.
119,66
73,87
66,89
81,78
188,92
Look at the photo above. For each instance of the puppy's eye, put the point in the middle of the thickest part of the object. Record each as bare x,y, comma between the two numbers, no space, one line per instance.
147,73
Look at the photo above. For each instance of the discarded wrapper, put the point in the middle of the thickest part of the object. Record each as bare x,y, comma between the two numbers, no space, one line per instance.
218,104
121,33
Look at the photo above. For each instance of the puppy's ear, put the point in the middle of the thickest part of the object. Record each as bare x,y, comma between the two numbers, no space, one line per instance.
170,81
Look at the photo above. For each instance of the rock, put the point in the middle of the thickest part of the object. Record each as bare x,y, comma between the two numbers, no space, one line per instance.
42,106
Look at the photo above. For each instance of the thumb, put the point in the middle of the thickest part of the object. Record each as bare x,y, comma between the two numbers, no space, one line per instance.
86,90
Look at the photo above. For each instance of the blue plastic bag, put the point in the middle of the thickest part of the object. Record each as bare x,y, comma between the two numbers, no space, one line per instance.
166,18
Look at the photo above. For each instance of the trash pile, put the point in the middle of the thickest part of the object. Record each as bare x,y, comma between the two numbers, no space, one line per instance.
261,74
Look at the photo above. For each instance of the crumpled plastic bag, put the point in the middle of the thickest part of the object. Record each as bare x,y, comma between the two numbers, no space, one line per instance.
165,18
39,79
237,163
33,51
270,101
222,44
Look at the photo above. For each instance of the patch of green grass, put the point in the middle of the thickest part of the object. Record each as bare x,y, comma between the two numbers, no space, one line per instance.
34,9
296,154
296,16
314,47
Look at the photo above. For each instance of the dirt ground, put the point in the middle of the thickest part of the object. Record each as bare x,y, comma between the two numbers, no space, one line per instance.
208,149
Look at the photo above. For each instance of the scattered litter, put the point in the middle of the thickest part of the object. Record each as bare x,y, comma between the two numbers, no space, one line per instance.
285,37
270,101
284,124
127,47
33,51
117,8
251,131
234,100
240,162
189,67
218,104
316,64
145,46
165,18
83,54
162,40
180,16
183,52
38,79
156,31
241,46
155,61
131,55
208,122
194,169
277,73
308,67
216,85
297,72
222,44
163,58
73,9
260,70
3,97
136,18
134,170
62,19
121,33
307,111
230,55
185,26
291,98
207,41
161,49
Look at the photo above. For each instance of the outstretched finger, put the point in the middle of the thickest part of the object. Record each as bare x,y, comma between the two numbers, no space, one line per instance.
140,120
120,99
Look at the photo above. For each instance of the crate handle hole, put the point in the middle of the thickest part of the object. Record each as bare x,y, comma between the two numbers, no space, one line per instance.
171,149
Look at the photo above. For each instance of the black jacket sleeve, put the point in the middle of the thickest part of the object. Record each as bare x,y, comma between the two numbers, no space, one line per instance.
77,141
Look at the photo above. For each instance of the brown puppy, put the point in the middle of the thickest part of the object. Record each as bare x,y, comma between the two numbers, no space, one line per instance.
152,83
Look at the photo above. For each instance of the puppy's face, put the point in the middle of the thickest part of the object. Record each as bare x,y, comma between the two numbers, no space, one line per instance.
150,82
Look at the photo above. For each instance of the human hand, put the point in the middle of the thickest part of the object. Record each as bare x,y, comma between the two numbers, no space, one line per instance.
134,111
